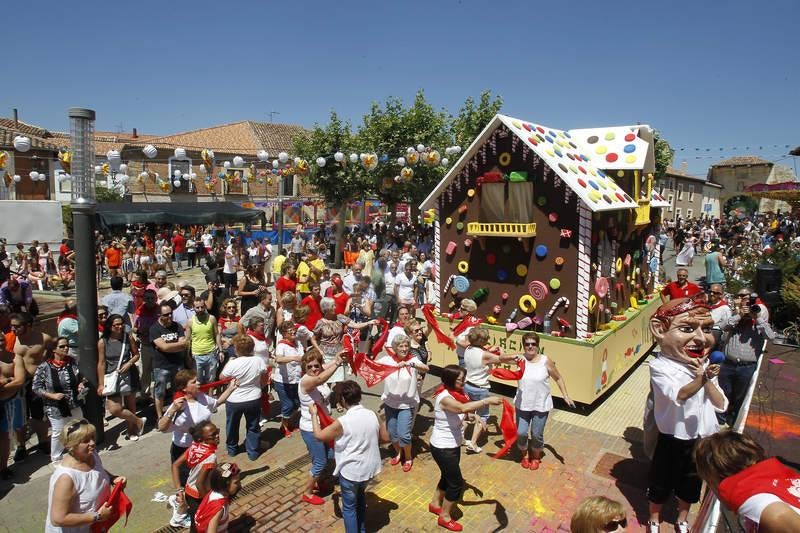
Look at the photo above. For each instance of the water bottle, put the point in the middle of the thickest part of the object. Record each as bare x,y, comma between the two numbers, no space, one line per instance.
546,326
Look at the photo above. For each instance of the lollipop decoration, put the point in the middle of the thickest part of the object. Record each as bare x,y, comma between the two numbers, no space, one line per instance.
538,290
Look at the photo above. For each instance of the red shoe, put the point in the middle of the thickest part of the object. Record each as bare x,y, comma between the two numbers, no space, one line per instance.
434,510
395,460
525,463
313,499
535,464
407,466
286,432
452,525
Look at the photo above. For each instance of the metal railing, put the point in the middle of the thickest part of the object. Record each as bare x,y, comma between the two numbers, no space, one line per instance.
501,229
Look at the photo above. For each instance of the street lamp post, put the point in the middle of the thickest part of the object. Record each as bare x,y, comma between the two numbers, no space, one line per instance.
280,214
81,127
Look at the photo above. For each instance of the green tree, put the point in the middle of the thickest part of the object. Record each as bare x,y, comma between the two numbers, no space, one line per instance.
390,129
337,182
472,117
102,195
663,154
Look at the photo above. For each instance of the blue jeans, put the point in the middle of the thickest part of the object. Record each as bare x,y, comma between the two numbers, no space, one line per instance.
290,401
475,394
398,423
206,365
734,380
533,421
354,504
318,451
252,415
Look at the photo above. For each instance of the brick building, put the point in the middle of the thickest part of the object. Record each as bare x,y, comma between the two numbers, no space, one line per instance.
689,196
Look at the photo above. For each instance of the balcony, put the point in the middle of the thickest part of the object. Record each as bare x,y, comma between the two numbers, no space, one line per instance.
501,229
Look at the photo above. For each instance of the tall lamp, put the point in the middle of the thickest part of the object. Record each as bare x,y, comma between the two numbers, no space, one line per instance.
81,129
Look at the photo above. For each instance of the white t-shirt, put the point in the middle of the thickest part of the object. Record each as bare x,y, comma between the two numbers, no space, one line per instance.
448,428
247,370
533,389
189,416
750,511
207,239
288,372
261,349
400,387
694,418
389,280
231,261
477,372
318,394
405,288
357,453
92,488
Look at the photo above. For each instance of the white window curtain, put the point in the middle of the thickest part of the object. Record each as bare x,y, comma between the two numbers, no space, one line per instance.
520,203
492,202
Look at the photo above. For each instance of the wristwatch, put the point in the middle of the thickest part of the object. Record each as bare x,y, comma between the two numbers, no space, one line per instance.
96,517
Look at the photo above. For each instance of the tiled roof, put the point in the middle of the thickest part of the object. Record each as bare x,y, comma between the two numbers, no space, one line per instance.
102,143
7,139
681,174
275,137
744,160
24,128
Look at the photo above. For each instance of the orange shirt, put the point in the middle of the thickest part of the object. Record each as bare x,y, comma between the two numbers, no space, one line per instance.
11,340
113,257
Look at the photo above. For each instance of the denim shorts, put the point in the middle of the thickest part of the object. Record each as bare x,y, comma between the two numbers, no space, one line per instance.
163,379
12,414
475,394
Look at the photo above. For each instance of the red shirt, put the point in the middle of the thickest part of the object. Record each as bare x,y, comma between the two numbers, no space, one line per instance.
315,312
63,250
113,257
285,285
341,302
179,244
674,291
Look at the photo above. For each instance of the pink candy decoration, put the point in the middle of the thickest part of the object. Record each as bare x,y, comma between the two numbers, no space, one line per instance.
451,248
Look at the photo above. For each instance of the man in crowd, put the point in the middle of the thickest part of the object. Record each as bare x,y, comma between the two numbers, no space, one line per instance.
720,311
178,248
160,280
231,268
309,271
30,349
113,258
263,310
118,302
352,278
682,288
12,411
17,293
145,316
297,246
747,330
201,335
169,343
185,309
213,294
686,398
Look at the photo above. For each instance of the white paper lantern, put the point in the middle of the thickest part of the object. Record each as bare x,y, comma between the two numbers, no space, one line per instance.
176,173
456,149
354,158
114,159
42,177
338,157
363,157
420,147
193,176
176,183
263,155
123,168
17,178
150,151
401,161
226,164
238,161
143,175
21,143
98,169
445,161
180,153
320,162
283,157
275,164
34,175
297,161
123,179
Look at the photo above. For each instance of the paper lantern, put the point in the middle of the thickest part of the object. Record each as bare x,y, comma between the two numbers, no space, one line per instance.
275,164
401,161
420,147
114,159
283,157
320,162
226,165
34,175
22,144
193,176
176,173
176,183
238,161
354,158
338,157
123,168
150,151
143,175
203,169
263,155
445,161
123,179
98,169
17,178
412,157
433,158
180,153
42,177
456,149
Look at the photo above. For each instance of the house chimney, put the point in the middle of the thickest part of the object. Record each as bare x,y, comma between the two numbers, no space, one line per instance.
135,135
685,167
16,117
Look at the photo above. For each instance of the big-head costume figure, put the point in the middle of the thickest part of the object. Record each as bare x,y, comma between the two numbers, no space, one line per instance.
686,400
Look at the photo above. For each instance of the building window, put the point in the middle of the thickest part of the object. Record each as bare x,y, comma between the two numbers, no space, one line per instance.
678,212
288,185
671,200
185,166
236,182
680,191
689,213
512,202
691,193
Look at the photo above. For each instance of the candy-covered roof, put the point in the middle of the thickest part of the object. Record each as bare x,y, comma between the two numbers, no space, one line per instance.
656,200
618,147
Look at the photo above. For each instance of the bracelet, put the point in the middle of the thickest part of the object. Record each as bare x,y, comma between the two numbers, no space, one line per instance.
96,517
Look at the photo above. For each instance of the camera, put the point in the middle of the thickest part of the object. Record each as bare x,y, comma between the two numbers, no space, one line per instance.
754,307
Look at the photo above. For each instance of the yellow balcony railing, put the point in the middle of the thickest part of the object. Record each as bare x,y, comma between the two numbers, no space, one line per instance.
501,229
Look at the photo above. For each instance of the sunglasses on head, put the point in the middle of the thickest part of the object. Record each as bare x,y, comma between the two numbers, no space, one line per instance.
72,428
614,524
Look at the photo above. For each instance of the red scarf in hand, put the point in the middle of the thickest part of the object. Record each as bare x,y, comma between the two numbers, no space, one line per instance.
378,346
257,335
510,375
324,421
372,372
441,337
119,503
460,396
508,426
265,396
205,387
467,322
207,510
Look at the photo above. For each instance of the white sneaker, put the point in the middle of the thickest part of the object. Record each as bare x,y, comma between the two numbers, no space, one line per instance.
182,521
180,518
653,527
472,447
683,527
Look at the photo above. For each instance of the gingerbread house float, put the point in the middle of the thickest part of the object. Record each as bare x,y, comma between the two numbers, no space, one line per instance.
551,231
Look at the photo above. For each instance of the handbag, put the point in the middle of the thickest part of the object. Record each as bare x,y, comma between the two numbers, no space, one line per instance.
111,380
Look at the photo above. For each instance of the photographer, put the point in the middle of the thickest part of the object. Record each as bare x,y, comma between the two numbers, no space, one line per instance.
746,332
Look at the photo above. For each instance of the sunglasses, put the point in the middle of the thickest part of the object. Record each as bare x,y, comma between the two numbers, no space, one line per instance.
528,344
102,314
313,366
166,315
614,524
72,428
185,295
718,293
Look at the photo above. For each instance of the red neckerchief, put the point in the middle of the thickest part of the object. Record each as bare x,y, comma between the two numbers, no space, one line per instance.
64,316
396,357
223,321
468,322
460,396
287,343
257,335
60,364
199,452
147,311
719,304
769,476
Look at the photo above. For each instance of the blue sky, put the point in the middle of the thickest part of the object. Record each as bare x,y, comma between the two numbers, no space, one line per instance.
706,74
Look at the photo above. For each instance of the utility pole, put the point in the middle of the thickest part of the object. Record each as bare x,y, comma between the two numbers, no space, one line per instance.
272,114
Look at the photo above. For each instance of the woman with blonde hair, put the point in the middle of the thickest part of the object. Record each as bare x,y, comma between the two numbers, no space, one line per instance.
80,485
598,514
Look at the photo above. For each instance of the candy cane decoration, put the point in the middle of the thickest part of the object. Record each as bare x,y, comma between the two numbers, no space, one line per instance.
584,269
563,301
437,243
